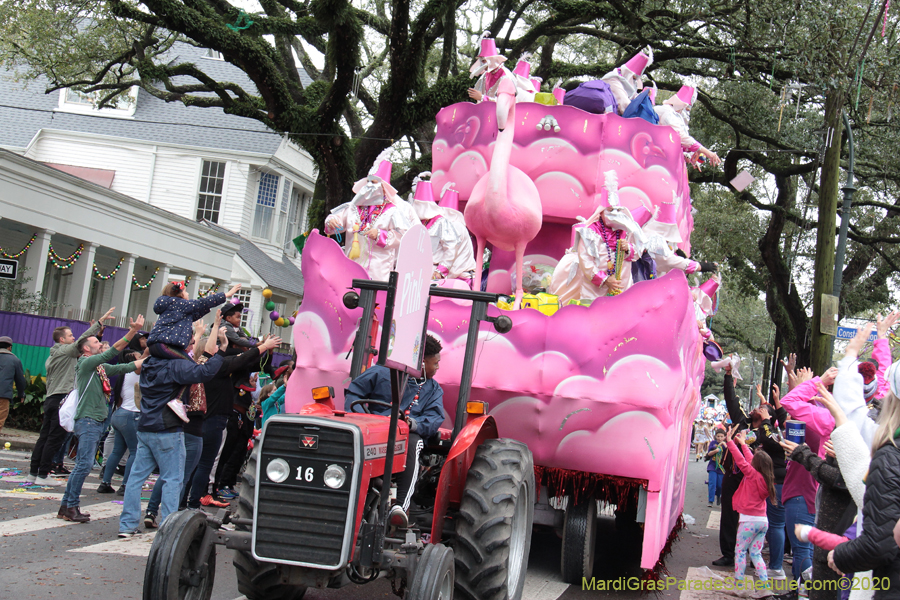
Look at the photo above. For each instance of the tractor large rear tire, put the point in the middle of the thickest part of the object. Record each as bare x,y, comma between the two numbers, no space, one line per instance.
577,556
493,533
257,580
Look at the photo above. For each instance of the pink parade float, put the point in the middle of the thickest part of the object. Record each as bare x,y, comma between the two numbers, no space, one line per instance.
603,395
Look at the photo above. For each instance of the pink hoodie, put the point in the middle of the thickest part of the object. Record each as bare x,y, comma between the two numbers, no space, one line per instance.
750,497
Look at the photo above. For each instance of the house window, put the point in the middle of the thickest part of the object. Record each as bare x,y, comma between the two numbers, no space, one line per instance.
244,296
213,54
209,200
292,224
284,207
265,205
85,103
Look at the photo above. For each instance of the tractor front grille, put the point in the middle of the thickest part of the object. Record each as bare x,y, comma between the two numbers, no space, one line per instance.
300,520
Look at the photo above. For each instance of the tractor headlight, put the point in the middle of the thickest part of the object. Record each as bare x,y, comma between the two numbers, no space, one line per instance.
335,477
278,470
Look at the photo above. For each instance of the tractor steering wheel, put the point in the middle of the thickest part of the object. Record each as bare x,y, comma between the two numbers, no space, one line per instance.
366,401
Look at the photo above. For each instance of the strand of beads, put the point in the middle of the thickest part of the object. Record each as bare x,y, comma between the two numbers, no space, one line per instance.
22,251
144,286
211,290
112,273
64,263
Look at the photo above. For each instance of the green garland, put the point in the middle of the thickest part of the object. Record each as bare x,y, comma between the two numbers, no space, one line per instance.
211,290
64,263
22,251
112,273
144,286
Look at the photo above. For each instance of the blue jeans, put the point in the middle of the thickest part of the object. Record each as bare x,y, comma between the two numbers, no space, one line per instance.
776,530
124,423
796,512
193,444
165,450
213,427
88,433
715,484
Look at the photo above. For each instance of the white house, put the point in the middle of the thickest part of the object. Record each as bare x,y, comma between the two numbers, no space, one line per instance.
217,176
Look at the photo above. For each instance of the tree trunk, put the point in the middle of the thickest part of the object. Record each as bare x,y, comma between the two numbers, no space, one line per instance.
820,344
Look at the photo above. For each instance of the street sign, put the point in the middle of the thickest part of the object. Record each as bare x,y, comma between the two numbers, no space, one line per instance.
414,270
9,269
848,333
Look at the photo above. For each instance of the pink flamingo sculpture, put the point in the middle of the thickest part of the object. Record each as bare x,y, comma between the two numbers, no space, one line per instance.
504,207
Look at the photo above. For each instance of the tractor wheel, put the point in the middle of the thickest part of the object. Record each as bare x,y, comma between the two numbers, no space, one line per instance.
493,532
577,560
257,580
433,579
175,570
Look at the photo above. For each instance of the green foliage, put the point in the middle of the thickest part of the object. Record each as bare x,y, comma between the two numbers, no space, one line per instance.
28,413
15,298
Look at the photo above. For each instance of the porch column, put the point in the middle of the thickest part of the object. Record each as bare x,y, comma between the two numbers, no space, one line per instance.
82,274
193,285
156,288
122,286
36,261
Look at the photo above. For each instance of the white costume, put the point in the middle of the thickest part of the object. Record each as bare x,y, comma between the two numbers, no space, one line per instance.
583,271
489,70
375,208
625,82
451,245
676,113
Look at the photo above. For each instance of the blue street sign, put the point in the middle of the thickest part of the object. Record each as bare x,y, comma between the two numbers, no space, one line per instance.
848,333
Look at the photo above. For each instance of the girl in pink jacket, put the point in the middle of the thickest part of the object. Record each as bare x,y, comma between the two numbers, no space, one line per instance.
750,503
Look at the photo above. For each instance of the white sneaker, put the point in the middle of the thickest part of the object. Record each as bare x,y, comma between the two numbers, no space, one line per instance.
776,574
46,481
178,408
30,478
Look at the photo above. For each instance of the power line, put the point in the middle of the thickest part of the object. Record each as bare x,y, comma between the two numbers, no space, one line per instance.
307,134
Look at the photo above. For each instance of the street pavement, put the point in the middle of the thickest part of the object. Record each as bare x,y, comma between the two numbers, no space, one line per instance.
45,557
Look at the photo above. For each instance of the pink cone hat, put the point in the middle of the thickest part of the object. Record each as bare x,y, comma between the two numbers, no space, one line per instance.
637,63
450,200
488,48
667,213
687,94
384,171
709,287
424,192
640,215
536,83
523,68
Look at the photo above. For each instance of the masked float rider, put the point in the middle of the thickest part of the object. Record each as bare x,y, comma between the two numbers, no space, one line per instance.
373,223
451,246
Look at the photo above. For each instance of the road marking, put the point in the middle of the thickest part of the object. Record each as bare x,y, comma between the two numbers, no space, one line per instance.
29,495
715,518
538,587
138,545
104,510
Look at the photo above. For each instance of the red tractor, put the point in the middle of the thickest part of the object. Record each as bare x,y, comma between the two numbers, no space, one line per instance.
314,502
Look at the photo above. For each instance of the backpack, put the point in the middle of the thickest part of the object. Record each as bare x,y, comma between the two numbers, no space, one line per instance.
69,406
642,107
593,97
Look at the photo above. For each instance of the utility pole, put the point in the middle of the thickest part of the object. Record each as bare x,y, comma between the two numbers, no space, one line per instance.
820,343
845,219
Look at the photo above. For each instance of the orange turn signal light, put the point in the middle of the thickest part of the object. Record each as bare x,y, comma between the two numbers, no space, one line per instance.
476,407
323,393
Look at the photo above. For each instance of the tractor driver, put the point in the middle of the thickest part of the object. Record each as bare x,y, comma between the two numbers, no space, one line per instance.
422,407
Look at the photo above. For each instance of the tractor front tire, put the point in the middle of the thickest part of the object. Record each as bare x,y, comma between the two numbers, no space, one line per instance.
433,579
493,532
175,570
258,580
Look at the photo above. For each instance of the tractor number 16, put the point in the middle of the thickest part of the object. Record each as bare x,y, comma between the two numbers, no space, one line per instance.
305,476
